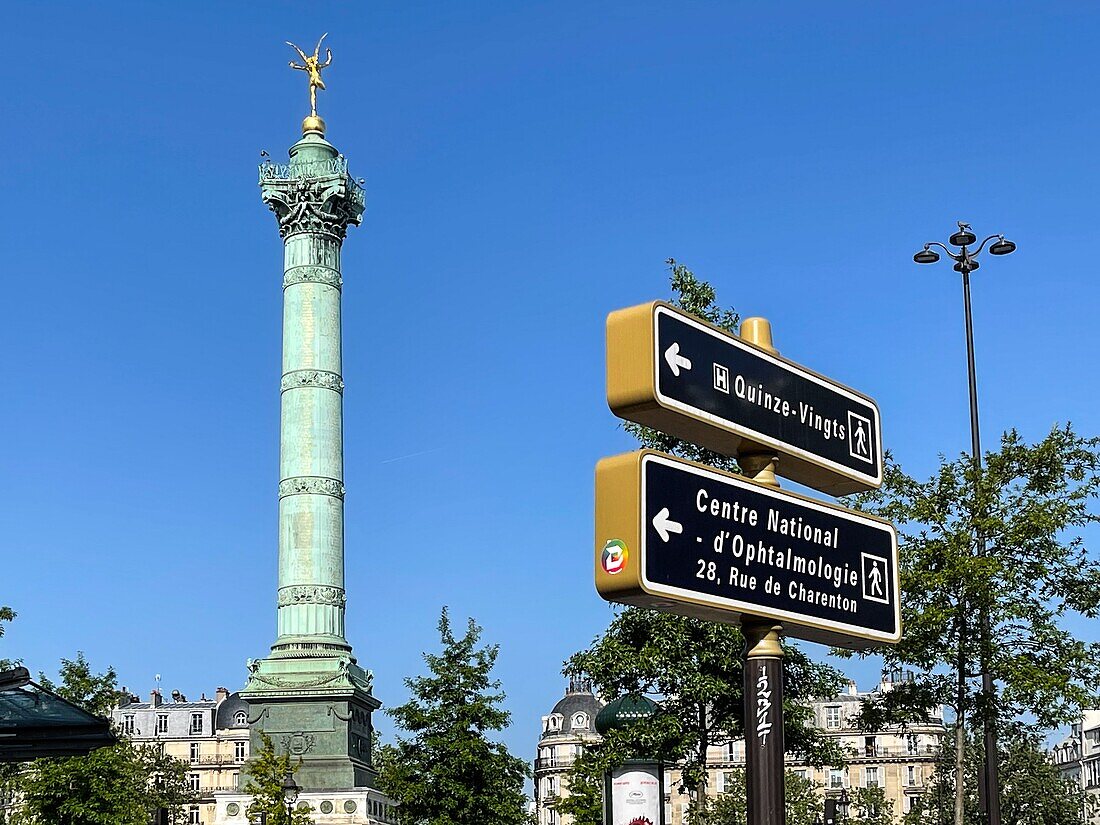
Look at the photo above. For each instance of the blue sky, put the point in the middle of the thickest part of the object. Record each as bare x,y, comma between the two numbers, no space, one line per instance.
529,167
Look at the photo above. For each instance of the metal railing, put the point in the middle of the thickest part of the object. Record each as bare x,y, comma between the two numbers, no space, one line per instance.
309,169
554,762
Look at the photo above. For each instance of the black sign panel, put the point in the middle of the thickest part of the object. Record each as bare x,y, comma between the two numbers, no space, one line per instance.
718,540
715,376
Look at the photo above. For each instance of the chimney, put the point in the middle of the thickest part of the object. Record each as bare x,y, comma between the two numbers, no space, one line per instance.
852,691
154,698
221,695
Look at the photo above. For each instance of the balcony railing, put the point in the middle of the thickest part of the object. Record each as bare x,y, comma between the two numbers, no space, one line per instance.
217,759
857,753
554,762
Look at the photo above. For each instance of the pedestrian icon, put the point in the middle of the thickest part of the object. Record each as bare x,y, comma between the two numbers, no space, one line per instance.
859,437
875,586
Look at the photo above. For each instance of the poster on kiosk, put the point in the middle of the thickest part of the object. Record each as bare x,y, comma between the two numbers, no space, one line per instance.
636,795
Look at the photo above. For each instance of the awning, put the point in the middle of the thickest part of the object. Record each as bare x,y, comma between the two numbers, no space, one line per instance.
35,722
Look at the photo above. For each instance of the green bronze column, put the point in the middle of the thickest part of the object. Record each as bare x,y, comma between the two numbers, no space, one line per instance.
309,694
314,203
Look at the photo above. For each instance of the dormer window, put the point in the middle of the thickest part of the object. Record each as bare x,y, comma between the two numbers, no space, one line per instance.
241,718
580,720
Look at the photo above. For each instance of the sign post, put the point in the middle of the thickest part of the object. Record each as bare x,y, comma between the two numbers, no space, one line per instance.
685,538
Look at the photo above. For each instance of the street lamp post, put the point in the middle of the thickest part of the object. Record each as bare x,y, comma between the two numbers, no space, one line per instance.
290,794
966,261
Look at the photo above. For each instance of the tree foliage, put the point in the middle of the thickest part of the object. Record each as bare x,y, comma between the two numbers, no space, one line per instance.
1027,505
694,667
869,806
1032,788
698,298
6,615
804,806
117,785
448,771
1030,498
266,772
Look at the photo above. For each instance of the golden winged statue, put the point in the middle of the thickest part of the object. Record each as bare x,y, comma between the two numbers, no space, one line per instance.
312,65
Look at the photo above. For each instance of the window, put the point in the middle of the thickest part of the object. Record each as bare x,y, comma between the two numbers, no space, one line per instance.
128,724
801,773
193,816
1092,774
194,751
870,748
162,723
551,786
735,752
192,781
580,720
836,778
832,717
241,718
870,777
912,744
196,723
552,818
239,753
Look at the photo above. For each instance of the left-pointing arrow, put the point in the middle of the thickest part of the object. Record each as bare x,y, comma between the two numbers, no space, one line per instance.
666,526
676,361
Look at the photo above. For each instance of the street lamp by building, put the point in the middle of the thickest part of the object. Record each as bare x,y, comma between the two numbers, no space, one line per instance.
290,794
966,261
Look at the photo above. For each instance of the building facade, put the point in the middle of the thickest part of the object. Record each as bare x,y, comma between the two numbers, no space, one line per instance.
899,761
566,731
210,736
1078,759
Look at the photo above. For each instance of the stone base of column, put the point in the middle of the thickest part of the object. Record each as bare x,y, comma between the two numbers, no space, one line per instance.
319,710
336,807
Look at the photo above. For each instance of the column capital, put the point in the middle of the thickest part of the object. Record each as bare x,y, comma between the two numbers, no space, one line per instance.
314,191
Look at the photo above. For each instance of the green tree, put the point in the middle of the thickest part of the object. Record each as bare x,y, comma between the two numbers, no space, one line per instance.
6,615
1032,788
871,807
804,806
1029,504
117,785
698,298
448,771
266,772
694,666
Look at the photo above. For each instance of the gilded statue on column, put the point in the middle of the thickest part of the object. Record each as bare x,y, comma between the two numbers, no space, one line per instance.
312,65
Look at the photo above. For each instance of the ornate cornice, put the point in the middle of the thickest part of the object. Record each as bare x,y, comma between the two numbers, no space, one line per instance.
312,275
312,378
311,485
312,594
325,206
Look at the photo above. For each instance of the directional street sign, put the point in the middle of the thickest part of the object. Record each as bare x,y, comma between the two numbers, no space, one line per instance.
680,537
668,370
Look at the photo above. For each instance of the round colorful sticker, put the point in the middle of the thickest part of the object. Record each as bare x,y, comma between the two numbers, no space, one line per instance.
615,555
